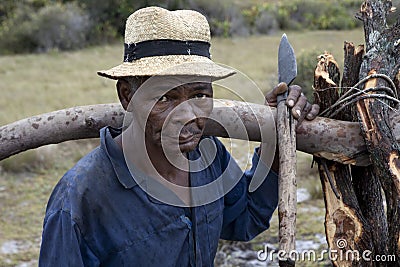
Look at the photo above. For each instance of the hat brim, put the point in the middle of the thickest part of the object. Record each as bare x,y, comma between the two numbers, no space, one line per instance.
169,65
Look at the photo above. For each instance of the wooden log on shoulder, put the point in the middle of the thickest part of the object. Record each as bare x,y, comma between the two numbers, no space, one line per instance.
331,139
58,126
337,140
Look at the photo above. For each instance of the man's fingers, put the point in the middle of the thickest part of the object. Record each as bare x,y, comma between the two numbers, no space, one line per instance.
304,113
313,112
294,94
271,97
301,108
280,88
300,105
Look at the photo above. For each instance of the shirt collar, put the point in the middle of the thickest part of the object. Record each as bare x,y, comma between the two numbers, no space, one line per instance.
116,156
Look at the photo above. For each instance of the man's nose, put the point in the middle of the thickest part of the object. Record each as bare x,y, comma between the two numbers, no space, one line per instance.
184,112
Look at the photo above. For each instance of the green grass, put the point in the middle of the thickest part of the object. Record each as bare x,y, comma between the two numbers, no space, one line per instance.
34,84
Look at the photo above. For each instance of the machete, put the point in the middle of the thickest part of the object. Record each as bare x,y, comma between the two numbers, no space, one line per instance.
287,72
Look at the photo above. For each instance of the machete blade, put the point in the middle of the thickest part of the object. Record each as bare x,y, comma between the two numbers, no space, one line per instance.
287,66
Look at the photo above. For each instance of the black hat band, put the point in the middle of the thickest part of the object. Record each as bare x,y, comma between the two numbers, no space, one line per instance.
154,48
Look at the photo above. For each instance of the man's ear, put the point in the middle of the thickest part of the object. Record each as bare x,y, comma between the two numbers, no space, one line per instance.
124,93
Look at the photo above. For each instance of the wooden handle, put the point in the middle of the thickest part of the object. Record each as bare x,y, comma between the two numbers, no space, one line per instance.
287,182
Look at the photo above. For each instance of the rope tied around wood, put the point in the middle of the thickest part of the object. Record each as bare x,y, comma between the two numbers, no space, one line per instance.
350,98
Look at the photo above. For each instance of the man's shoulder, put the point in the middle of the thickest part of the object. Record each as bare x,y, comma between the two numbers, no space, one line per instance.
89,168
90,172
94,161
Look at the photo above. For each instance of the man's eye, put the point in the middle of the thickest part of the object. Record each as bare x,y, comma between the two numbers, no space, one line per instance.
200,96
163,99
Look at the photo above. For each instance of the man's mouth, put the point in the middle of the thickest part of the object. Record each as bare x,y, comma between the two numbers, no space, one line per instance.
188,136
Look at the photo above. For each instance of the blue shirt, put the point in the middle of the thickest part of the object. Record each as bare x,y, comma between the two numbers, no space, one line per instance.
98,216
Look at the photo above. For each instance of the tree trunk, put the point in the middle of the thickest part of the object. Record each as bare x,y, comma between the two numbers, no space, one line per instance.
382,57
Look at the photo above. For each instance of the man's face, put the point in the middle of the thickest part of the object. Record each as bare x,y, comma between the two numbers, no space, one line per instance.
177,117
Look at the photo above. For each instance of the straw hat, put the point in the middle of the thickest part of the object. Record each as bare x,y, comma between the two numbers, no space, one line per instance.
163,42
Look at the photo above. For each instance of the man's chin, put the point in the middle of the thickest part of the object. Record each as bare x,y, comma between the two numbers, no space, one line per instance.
185,144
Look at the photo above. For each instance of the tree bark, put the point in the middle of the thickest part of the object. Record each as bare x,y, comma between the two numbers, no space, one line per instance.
382,57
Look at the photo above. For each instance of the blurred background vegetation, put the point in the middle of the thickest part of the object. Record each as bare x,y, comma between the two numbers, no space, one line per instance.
41,26
28,26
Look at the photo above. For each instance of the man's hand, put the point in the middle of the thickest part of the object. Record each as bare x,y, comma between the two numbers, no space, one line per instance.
301,109
296,100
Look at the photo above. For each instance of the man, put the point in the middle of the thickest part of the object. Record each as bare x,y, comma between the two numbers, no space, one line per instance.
140,199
